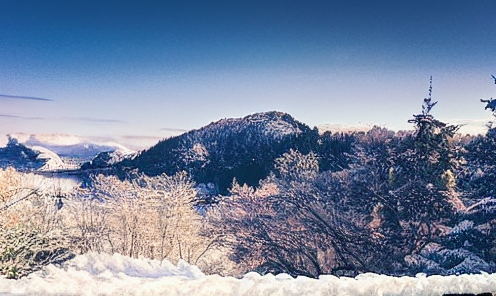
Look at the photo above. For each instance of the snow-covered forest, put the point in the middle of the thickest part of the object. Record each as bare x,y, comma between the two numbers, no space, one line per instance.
368,213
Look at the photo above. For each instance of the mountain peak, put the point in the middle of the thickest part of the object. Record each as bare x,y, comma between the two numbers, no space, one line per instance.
269,115
244,148
274,124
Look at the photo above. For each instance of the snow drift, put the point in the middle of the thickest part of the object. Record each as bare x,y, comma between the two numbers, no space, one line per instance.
97,274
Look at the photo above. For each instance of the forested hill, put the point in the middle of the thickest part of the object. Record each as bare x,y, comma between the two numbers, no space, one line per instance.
241,148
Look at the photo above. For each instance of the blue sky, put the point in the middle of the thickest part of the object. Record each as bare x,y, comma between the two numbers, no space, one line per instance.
149,68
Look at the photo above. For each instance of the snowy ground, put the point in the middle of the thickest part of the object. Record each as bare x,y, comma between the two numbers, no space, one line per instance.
50,184
97,274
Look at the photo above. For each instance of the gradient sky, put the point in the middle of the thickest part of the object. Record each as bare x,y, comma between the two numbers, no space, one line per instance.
121,68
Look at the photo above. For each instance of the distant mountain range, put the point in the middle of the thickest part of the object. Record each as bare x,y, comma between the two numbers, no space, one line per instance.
68,146
49,152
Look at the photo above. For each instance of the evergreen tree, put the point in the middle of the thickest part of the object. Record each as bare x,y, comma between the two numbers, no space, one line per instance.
424,163
480,154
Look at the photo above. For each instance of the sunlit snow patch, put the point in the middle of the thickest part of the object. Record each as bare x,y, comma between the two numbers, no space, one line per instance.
97,274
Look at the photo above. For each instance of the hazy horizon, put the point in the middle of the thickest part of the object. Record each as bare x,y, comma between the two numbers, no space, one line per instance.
138,142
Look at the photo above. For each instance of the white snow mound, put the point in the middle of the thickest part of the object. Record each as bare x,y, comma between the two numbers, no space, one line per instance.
101,274
53,161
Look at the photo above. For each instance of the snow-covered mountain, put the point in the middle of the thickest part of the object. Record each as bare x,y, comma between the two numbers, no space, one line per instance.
47,152
24,158
51,159
106,159
67,146
20,157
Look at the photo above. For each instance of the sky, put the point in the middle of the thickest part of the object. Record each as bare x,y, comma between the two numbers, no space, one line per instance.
153,68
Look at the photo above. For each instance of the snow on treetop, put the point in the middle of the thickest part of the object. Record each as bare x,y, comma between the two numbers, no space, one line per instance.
273,123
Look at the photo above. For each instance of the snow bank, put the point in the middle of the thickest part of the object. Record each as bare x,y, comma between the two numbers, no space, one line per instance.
52,160
49,184
96,274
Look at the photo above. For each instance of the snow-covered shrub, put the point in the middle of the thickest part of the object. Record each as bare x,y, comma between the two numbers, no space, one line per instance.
23,250
464,249
448,262
294,165
31,235
153,217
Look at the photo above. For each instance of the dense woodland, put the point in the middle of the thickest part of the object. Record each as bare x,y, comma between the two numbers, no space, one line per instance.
238,196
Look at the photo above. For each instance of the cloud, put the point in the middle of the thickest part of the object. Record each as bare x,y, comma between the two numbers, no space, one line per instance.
84,119
9,116
150,138
138,142
20,117
470,121
178,130
25,98
96,120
